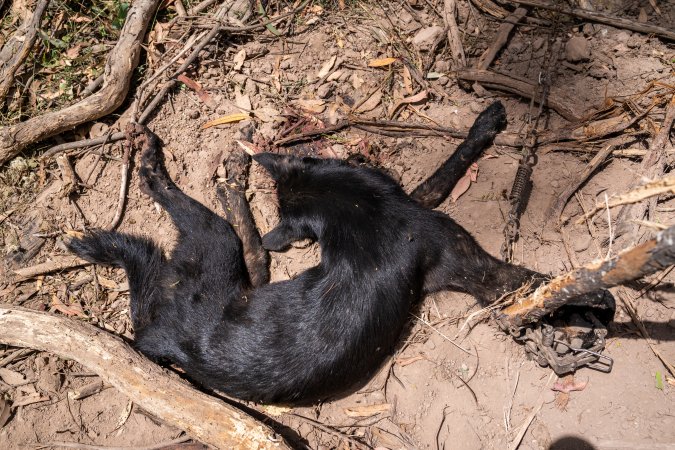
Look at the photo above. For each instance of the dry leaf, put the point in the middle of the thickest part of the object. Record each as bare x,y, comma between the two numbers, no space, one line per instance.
107,283
465,182
407,80
327,66
372,102
69,310
567,385
239,59
201,93
5,411
74,51
242,101
230,118
266,114
382,62
27,395
419,97
249,148
367,410
315,106
407,361
124,416
11,377
356,80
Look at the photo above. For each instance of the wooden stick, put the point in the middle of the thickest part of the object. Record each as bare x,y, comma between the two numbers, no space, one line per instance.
454,37
501,38
522,87
15,51
162,394
556,209
119,68
605,18
649,257
58,263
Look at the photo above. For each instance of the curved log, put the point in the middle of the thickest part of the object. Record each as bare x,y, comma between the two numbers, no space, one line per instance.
122,61
203,417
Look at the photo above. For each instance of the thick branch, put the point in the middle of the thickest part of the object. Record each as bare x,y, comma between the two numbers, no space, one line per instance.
16,49
203,417
649,257
555,99
119,68
605,18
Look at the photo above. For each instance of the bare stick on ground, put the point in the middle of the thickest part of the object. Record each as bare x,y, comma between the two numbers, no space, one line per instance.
522,87
203,417
15,51
649,257
119,68
607,19
454,37
652,167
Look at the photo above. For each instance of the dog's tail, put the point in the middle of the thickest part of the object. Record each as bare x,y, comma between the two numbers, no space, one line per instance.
139,257
437,187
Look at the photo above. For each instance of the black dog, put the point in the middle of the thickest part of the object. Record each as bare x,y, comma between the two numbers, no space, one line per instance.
314,336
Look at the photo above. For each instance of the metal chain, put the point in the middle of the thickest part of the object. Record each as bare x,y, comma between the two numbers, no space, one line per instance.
522,183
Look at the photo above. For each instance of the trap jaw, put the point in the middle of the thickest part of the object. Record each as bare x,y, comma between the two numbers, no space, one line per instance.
575,341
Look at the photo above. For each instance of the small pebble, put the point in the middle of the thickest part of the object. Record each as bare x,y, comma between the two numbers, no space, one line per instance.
577,49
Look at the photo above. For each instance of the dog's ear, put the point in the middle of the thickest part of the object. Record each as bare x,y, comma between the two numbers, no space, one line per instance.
278,166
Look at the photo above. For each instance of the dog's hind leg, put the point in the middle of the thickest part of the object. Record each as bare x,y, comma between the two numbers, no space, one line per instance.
232,196
431,192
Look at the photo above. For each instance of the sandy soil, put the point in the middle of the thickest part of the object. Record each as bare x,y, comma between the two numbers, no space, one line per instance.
427,403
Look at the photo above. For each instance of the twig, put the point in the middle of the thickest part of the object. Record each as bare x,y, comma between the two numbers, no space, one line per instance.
441,334
88,390
632,311
522,87
502,37
204,417
91,87
607,19
124,183
158,446
57,264
454,38
14,355
556,208
15,51
540,402
331,430
118,71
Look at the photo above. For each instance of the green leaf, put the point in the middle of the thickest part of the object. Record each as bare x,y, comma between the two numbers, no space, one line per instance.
659,380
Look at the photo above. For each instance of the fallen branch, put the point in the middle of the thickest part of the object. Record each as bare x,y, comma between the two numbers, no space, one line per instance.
500,40
607,19
60,263
119,68
454,37
203,417
522,87
649,257
15,51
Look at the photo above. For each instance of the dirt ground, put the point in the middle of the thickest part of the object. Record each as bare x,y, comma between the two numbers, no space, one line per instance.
435,395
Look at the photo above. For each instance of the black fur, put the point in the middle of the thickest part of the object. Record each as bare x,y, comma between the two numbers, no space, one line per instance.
314,336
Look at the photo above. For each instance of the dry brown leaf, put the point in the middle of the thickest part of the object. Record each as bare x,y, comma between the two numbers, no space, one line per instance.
239,59
367,410
372,102
69,310
327,66
74,51
407,361
242,101
566,386
107,283
27,395
201,93
382,62
464,183
275,410
315,106
266,114
230,118
419,97
5,411
407,80
11,377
